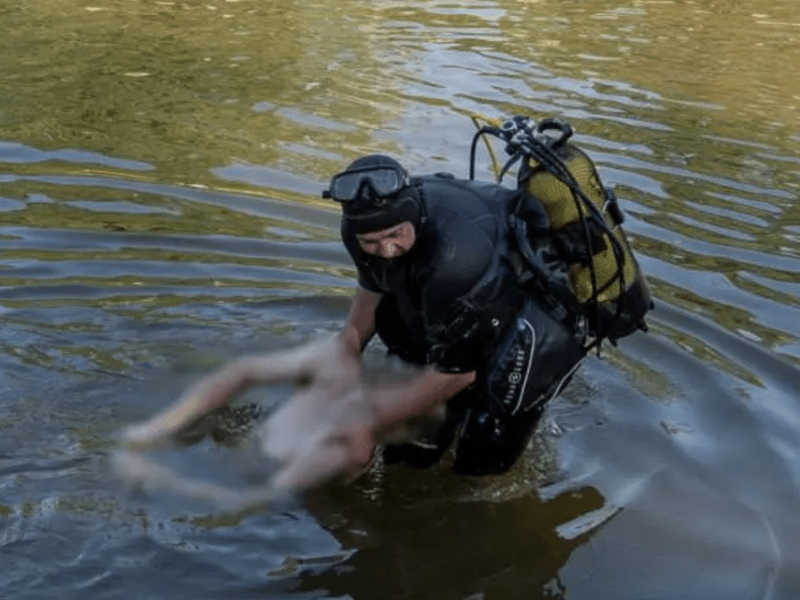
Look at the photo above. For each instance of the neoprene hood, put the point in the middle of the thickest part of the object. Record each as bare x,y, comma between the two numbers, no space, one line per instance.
369,210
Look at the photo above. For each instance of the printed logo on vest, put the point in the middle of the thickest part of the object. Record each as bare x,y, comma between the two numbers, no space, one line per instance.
520,359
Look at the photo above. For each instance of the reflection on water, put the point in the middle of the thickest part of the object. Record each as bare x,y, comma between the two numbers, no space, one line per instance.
160,170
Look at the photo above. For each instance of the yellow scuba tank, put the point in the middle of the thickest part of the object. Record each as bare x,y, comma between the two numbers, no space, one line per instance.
564,213
605,281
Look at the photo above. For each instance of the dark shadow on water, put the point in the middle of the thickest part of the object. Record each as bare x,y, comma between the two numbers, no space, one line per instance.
418,538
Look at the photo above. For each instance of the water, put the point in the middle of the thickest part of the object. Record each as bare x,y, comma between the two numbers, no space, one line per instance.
160,170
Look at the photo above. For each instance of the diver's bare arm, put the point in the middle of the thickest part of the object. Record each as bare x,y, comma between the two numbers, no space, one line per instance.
360,323
393,404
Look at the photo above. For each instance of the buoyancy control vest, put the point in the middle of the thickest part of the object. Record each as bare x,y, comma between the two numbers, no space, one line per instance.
580,255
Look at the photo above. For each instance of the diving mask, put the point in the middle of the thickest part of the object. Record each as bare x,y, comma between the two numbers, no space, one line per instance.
382,181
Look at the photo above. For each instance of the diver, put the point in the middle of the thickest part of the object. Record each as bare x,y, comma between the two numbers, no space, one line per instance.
438,284
474,283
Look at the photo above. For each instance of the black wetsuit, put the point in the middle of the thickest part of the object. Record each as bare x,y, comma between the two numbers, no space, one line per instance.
454,301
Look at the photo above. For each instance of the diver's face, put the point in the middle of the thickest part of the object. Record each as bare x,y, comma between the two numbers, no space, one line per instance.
388,243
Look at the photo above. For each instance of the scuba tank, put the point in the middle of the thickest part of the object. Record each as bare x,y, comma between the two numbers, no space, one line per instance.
604,282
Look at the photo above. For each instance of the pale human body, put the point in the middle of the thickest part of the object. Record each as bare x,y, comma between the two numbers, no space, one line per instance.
332,423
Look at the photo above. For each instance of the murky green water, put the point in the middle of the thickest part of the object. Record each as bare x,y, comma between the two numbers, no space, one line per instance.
160,169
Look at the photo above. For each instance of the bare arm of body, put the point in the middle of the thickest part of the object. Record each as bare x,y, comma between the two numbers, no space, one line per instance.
225,384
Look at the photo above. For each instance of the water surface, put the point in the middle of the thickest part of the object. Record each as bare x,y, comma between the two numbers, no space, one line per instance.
160,170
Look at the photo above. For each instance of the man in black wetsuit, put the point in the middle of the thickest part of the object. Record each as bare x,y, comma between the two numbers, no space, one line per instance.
440,282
